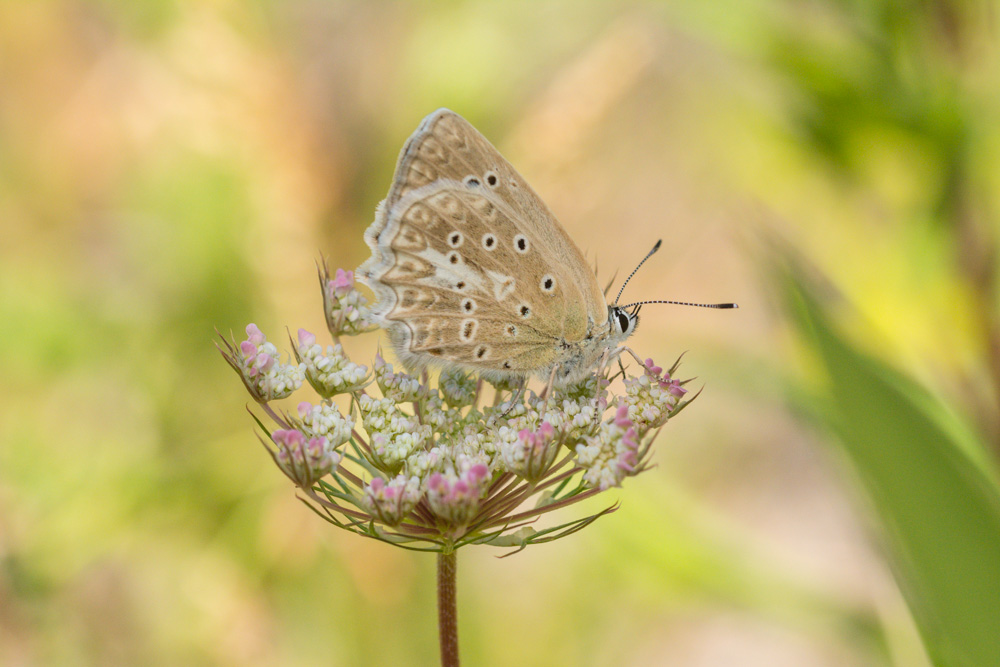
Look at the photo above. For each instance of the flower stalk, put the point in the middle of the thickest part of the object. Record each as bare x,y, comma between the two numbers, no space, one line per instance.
447,570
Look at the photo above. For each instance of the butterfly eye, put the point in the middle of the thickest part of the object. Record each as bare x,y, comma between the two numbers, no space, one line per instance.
623,322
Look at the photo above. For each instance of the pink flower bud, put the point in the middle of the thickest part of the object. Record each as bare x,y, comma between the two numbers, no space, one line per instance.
254,335
306,338
263,362
435,482
377,484
304,408
316,446
621,417
343,281
247,349
478,472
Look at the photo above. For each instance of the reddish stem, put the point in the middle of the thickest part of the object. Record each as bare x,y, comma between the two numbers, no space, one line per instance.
447,566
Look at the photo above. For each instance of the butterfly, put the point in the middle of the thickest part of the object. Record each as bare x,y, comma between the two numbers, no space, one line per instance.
471,269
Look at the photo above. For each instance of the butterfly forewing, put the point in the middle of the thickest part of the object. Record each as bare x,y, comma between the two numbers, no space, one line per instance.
446,147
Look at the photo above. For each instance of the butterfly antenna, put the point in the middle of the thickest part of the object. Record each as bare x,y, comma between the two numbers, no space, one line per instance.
684,303
648,255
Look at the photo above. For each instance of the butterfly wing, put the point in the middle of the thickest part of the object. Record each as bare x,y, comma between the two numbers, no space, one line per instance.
453,288
468,264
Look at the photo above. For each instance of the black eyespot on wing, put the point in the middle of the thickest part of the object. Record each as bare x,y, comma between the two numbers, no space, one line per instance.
460,284
491,179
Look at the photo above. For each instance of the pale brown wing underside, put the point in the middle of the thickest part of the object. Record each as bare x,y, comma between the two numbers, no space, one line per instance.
446,146
469,266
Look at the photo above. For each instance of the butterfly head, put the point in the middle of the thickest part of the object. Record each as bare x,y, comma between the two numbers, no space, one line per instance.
622,323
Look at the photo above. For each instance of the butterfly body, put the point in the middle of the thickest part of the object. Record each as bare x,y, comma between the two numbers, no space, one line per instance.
472,270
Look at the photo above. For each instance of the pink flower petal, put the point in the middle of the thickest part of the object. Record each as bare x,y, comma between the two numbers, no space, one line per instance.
621,417
306,338
343,280
254,335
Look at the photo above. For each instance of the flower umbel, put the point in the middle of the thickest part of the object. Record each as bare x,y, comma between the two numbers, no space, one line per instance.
437,466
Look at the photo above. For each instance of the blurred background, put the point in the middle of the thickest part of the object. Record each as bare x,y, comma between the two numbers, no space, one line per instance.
168,167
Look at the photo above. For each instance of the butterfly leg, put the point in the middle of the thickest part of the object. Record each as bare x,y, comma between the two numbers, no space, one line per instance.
551,382
516,397
635,356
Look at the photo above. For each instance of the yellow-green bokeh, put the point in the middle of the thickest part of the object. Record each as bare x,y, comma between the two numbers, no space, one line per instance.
170,167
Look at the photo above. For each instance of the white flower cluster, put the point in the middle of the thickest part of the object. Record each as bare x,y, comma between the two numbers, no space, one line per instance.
610,455
441,463
304,460
265,376
528,454
400,387
347,311
457,388
455,496
652,397
325,421
392,501
329,371
394,435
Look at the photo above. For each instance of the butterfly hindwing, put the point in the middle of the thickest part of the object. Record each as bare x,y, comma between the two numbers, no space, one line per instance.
462,282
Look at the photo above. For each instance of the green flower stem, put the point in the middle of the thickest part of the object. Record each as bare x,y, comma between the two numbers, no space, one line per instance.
447,566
